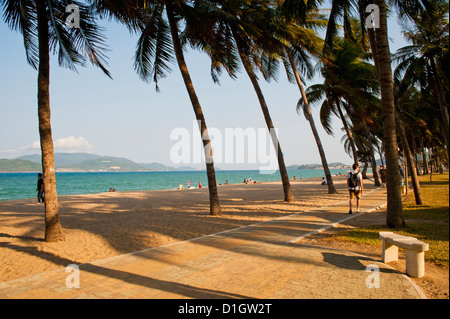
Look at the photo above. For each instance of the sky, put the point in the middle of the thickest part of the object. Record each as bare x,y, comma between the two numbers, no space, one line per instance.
126,117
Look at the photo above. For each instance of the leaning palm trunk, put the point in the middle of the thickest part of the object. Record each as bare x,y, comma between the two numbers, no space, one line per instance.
409,163
53,230
288,196
331,187
212,183
394,216
372,157
349,133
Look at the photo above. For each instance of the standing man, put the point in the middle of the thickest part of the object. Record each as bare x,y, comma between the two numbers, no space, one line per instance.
40,188
383,175
355,187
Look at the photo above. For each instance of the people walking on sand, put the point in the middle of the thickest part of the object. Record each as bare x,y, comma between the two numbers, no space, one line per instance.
355,187
40,188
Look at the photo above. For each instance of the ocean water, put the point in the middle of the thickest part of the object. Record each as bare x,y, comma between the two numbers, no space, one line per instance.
23,185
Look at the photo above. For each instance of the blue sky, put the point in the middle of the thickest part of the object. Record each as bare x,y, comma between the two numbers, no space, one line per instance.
126,117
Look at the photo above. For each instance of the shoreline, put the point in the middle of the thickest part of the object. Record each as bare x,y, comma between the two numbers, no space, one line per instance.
176,188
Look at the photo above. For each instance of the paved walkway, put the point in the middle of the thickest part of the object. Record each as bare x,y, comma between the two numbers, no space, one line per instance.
264,260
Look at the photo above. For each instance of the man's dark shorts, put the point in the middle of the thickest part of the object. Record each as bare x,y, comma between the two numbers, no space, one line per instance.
355,193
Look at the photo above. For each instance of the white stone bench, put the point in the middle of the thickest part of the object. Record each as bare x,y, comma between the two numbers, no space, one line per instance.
415,252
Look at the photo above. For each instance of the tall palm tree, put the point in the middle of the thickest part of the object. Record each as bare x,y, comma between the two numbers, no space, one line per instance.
428,33
246,22
53,35
304,104
394,217
307,42
379,44
246,62
212,183
156,22
349,83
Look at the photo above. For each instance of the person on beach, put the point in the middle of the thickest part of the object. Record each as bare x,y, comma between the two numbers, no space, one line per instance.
324,181
355,187
180,186
383,175
40,188
199,185
402,175
189,184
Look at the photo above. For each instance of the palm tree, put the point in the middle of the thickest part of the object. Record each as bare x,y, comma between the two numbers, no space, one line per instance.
304,104
212,183
428,34
382,59
349,83
52,34
158,39
247,24
306,42
379,44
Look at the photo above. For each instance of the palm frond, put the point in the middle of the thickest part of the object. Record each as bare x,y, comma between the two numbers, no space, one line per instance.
153,49
21,16
326,117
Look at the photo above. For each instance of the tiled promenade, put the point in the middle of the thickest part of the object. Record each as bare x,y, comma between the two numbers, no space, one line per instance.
265,260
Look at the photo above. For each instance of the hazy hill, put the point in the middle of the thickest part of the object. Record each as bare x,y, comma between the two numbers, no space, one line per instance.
18,165
89,162
334,165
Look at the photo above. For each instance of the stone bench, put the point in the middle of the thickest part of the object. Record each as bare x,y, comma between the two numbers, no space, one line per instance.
415,252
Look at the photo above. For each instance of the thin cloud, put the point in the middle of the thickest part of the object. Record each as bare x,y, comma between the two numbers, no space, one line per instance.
69,144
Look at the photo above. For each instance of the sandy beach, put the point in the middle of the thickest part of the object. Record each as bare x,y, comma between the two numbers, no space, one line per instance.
110,224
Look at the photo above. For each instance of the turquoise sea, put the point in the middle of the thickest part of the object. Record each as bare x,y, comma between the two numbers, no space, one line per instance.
23,185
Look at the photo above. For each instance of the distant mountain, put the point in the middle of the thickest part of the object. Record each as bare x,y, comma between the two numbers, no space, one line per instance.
63,159
84,162
18,165
334,165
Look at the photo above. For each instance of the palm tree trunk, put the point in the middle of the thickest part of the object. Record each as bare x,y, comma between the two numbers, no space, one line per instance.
53,231
394,217
372,157
424,161
364,170
288,196
349,133
215,208
331,187
381,154
409,162
406,172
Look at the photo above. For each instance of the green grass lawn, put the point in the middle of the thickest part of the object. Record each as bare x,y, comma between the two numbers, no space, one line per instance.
428,222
